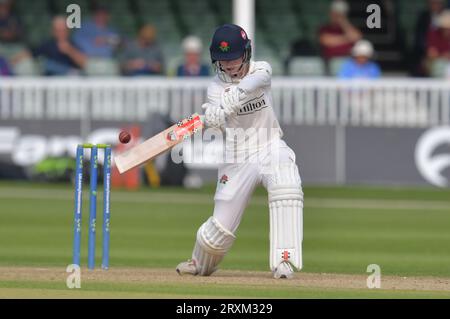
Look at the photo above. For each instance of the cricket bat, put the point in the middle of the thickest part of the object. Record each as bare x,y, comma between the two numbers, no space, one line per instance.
158,144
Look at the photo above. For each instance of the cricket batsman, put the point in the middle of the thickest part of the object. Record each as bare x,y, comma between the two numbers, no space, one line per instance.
239,97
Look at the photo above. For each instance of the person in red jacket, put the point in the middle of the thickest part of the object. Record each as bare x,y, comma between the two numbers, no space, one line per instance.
438,40
339,35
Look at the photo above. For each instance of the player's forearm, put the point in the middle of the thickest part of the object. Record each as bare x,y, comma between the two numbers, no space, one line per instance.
332,40
353,34
432,53
259,78
350,32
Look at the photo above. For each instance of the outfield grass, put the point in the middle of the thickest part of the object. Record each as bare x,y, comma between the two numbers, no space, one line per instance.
403,230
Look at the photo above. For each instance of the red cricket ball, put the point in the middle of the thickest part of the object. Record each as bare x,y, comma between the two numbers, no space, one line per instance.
124,137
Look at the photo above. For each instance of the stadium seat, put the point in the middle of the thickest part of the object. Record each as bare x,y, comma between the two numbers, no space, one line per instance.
283,28
37,7
280,6
37,28
101,67
171,49
116,6
335,65
275,63
224,10
193,6
306,66
408,13
8,51
166,26
313,24
25,67
159,7
172,65
315,7
204,28
439,68
125,24
61,6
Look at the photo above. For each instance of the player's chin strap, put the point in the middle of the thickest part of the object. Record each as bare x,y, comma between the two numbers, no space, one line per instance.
213,242
223,76
286,216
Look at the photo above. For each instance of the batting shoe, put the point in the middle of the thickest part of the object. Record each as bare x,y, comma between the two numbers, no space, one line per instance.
284,270
187,268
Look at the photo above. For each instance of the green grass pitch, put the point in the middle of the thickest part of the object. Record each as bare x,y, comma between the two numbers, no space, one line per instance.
403,230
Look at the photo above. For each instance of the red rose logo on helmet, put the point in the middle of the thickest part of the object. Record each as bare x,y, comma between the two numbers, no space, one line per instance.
224,46
243,35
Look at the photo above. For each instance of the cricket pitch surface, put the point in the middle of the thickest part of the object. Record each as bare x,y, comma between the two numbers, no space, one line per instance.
26,282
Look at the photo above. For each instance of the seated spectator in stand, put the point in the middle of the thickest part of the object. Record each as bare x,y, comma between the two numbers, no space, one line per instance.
11,48
428,20
360,65
192,66
338,37
438,40
61,55
10,27
96,38
143,56
4,67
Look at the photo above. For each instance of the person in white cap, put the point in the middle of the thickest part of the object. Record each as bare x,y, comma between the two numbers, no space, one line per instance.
337,38
192,66
360,64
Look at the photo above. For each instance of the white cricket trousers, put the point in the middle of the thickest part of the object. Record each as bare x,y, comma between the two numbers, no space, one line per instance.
237,181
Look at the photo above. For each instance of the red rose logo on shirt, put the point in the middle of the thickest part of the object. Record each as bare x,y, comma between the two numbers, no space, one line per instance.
223,179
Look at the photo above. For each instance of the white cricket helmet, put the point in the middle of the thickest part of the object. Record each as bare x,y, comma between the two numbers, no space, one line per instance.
363,48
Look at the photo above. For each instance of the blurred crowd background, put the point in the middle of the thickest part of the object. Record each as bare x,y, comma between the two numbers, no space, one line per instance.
60,86
171,37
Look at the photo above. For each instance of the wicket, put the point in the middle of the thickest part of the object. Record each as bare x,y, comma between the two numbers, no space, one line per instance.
93,204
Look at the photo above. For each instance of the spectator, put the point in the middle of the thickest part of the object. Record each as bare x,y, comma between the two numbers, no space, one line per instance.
438,40
10,27
360,64
192,66
143,56
11,48
338,37
95,37
4,67
428,20
61,55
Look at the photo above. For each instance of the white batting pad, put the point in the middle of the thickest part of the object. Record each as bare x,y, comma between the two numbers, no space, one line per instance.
286,216
213,242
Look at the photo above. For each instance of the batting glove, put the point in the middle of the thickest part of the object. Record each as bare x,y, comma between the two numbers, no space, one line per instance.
230,100
214,116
